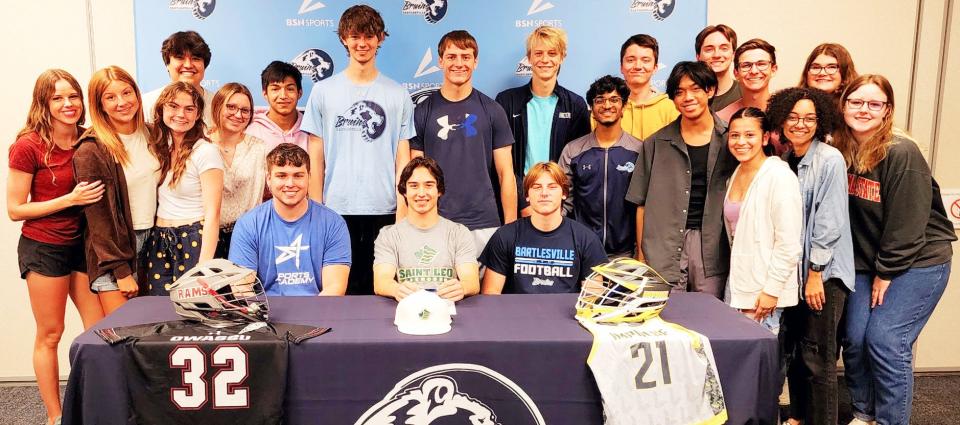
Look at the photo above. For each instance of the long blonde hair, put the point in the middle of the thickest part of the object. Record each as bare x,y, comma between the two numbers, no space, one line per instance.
863,157
220,101
161,135
39,118
100,124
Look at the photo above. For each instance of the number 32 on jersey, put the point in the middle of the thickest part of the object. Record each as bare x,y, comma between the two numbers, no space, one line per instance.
218,378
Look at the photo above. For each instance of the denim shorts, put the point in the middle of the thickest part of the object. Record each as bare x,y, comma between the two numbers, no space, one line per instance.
48,259
106,282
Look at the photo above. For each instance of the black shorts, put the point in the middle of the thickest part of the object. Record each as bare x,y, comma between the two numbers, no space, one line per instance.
48,259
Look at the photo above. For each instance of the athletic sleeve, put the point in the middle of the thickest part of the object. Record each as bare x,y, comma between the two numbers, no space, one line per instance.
640,180
243,243
385,247
312,116
498,254
206,156
502,134
420,125
564,162
465,250
336,246
407,129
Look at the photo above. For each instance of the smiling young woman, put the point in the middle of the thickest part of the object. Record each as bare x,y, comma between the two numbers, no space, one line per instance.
116,150
244,158
902,251
43,193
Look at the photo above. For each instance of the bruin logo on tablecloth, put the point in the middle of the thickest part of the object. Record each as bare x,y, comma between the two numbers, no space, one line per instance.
202,9
314,63
432,10
454,393
661,9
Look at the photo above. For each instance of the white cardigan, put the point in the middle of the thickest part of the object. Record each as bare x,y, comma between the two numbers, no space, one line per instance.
767,247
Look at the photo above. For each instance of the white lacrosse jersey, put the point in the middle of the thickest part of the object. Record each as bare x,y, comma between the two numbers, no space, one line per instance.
655,372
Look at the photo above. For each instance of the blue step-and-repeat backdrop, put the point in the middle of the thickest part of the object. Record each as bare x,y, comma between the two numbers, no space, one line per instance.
246,35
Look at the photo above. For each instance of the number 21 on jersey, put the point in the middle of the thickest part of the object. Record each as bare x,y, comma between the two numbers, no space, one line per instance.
226,391
645,351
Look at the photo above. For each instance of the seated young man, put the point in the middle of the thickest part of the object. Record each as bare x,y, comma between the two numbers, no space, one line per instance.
424,250
296,245
543,253
282,86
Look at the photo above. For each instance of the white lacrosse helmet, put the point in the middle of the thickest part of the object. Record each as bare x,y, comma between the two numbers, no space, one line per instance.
220,293
423,313
622,290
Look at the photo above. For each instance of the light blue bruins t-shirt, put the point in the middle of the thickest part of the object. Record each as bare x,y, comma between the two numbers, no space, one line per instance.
290,255
361,127
539,123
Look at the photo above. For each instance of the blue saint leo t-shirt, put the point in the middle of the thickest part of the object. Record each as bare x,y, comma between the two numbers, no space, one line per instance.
461,136
536,262
289,255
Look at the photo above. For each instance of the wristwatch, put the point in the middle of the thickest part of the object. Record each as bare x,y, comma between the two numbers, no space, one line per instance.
817,267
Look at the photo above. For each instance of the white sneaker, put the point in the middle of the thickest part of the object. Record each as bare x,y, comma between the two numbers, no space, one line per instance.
857,421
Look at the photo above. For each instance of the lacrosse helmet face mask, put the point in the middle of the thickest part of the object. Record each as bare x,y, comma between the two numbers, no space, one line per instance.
622,290
220,293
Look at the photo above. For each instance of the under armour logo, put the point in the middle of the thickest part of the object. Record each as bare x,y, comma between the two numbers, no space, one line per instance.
446,127
587,167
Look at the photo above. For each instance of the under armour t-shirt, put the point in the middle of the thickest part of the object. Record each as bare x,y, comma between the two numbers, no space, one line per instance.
536,262
289,256
361,127
539,124
461,137
425,257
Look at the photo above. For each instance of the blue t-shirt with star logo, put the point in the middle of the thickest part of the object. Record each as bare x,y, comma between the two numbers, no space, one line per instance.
288,256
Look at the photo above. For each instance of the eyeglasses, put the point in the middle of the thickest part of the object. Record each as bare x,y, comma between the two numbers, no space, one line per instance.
873,105
808,121
601,101
829,69
232,109
761,66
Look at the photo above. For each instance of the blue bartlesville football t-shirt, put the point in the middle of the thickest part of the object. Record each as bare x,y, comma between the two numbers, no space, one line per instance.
536,262
461,137
289,256
361,127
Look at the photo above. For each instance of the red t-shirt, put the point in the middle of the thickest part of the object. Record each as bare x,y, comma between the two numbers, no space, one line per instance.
51,180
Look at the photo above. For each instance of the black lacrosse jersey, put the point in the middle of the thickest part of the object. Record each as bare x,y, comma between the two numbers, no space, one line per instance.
184,372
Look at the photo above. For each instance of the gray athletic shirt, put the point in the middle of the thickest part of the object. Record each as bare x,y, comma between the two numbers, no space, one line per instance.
425,257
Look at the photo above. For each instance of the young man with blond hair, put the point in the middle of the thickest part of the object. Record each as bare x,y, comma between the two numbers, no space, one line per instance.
467,133
360,122
545,252
543,115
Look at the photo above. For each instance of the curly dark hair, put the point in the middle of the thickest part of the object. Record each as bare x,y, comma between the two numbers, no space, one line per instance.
607,84
782,102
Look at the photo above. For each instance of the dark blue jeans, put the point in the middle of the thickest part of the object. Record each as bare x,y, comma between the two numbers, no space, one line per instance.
877,354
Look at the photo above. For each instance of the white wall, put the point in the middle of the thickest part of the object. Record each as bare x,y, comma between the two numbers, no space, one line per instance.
880,35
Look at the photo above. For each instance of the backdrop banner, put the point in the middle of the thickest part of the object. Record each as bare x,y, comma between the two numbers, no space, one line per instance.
246,35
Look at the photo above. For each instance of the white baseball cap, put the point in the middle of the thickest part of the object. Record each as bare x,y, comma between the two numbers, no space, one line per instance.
423,313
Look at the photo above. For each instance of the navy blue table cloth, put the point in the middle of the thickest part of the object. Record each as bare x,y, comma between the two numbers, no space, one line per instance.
521,358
